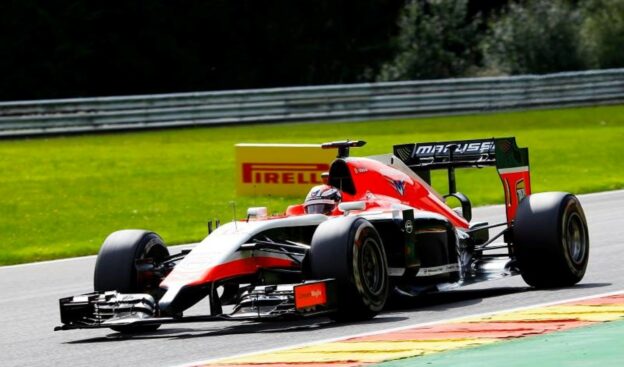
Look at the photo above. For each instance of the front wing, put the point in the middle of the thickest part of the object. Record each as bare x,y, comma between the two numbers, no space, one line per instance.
268,302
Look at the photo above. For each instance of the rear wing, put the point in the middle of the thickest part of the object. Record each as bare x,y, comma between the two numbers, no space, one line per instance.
511,162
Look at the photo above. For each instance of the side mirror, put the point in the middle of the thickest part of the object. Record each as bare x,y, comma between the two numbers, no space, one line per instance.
259,212
351,205
466,206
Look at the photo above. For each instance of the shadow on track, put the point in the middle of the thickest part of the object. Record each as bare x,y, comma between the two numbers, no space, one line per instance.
592,285
432,301
442,301
237,327
292,326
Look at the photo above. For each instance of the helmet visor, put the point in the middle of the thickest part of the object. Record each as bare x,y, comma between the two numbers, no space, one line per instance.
321,206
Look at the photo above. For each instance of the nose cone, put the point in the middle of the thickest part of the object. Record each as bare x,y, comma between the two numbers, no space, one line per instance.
165,303
179,298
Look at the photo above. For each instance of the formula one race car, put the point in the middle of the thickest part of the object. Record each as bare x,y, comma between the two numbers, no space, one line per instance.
391,232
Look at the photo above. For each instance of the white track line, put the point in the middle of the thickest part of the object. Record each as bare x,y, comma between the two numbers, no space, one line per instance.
391,330
604,193
47,262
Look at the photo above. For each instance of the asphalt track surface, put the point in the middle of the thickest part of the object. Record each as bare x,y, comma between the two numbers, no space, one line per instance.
30,293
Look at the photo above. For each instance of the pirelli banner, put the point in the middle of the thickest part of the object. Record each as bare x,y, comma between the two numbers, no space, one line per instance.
280,169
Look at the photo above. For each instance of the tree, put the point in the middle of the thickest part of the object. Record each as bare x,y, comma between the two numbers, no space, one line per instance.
77,48
603,33
437,39
539,36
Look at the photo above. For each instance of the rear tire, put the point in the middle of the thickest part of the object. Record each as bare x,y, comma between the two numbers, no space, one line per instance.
551,240
350,250
115,267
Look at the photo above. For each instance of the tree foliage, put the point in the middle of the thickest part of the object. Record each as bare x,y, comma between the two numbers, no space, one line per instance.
78,48
73,48
537,36
603,33
437,39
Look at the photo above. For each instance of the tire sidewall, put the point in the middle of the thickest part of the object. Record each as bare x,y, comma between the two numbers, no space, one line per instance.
336,252
363,235
540,242
570,208
115,267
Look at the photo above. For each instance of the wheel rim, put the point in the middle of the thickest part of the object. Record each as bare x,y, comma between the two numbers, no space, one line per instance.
371,264
148,282
575,238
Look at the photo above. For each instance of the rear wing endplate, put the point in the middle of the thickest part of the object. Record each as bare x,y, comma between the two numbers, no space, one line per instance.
511,162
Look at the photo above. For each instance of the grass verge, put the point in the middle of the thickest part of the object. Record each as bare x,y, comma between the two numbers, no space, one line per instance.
61,196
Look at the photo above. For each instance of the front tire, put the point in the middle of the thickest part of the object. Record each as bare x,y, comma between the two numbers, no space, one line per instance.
115,267
350,250
551,240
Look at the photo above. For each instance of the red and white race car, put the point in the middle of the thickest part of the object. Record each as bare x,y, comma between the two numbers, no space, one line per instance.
376,227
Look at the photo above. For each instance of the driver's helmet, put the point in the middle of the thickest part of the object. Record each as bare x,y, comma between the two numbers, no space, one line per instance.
322,199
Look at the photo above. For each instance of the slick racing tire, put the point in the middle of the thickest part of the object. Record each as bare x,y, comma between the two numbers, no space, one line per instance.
551,240
349,250
115,267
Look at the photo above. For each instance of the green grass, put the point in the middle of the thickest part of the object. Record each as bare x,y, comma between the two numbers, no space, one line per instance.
62,196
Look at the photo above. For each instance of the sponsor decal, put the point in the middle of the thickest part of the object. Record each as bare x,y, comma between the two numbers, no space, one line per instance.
505,171
520,190
283,173
310,295
517,185
505,145
409,227
398,185
280,169
396,272
437,270
462,148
